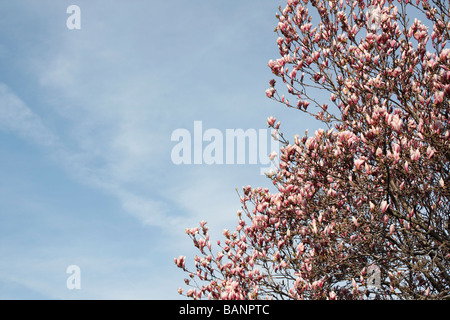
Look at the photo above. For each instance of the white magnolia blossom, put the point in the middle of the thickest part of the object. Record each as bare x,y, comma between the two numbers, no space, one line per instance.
374,17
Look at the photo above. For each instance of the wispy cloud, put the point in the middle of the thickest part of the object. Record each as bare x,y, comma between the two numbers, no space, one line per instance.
201,192
16,117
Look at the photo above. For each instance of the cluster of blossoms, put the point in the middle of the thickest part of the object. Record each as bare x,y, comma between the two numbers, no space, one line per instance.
370,189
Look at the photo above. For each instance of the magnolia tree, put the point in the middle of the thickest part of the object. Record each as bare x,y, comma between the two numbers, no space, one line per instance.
361,208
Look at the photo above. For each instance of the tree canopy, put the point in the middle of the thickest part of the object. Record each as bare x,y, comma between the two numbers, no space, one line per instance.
362,206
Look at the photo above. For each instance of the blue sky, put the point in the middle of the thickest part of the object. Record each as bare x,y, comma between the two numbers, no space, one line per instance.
86,117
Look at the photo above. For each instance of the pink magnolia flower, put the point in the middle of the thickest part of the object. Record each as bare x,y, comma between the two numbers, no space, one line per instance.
190,292
180,261
415,154
358,163
397,124
271,121
274,135
305,104
379,152
272,155
384,206
430,152
301,248
355,221
293,74
201,243
219,256
270,92
396,149
406,166
376,59
391,229
314,226
355,286
439,96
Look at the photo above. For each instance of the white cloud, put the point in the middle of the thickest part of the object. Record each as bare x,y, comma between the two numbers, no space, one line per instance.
202,192
149,211
16,117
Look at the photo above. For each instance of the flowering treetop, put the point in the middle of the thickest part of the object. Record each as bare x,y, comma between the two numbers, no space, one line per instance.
369,191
